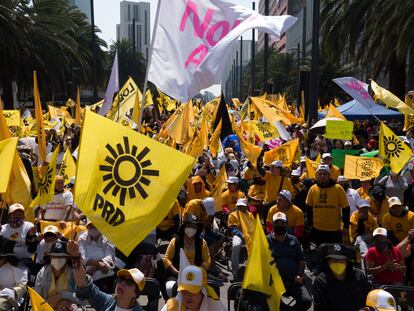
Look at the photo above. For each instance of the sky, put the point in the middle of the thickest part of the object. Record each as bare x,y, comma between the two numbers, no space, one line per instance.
107,15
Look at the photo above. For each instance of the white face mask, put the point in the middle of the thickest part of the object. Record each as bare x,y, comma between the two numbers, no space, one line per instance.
190,232
58,263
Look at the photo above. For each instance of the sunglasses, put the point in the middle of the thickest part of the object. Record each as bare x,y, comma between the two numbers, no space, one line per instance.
127,281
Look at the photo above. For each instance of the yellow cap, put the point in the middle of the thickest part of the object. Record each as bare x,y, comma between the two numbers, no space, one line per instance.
192,279
134,274
381,300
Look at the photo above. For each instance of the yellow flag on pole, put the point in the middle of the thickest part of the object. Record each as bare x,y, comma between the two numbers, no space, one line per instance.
362,168
41,137
390,99
125,100
57,113
261,273
78,109
393,150
264,130
215,140
334,113
285,153
67,167
38,303
311,167
12,117
7,156
125,181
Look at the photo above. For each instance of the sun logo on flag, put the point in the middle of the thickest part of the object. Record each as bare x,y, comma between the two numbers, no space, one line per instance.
126,171
393,146
45,182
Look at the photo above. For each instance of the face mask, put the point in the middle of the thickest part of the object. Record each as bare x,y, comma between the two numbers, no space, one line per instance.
379,196
93,233
16,221
337,268
190,232
279,230
346,186
58,263
381,245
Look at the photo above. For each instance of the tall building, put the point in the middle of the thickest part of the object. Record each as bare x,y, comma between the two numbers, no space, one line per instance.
84,6
140,12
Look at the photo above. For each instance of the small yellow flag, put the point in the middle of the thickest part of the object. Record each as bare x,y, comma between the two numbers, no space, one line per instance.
7,153
57,113
311,167
334,113
285,153
218,187
125,100
215,140
261,273
12,117
264,130
393,150
408,121
362,168
38,303
125,181
41,136
67,167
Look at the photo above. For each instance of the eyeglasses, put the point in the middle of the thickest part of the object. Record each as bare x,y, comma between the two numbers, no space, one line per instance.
127,281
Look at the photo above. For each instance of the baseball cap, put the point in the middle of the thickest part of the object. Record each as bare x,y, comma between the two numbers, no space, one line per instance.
279,216
50,229
277,163
363,203
232,180
210,206
380,231
394,201
326,155
295,173
380,300
323,167
135,275
336,251
241,202
15,207
58,249
302,159
348,143
192,280
286,194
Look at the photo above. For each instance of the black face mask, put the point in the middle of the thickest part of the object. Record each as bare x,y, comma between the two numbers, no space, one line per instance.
381,245
379,196
279,230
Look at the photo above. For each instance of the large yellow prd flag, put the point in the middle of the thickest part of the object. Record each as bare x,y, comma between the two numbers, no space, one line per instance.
393,150
38,303
264,130
126,182
7,153
68,167
362,168
261,273
285,153
40,128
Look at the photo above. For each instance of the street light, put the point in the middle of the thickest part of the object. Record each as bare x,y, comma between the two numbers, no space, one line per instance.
93,42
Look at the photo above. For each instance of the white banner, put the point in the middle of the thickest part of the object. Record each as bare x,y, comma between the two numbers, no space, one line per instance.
194,39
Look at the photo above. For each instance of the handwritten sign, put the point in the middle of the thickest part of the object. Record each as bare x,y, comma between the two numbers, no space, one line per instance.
339,129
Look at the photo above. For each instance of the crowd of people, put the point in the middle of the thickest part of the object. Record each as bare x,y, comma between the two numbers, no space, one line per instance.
335,241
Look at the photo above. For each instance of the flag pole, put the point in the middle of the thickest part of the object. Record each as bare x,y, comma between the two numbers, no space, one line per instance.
144,91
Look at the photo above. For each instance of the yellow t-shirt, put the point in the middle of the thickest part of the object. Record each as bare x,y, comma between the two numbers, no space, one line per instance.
294,215
379,210
370,224
335,172
327,204
399,225
195,207
168,221
362,193
58,285
257,192
273,186
229,199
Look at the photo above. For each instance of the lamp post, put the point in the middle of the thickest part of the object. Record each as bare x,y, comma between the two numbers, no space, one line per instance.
253,56
266,52
314,74
93,42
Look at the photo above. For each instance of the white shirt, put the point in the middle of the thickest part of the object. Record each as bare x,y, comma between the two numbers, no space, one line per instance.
18,235
11,275
353,199
42,248
55,209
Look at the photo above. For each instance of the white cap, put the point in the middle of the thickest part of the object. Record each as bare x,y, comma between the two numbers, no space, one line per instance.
286,194
233,180
241,202
381,300
341,179
279,216
303,159
323,167
295,173
192,279
348,143
380,231
210,206
394,201
135,274
363,203
72,180
277,163
50,229
15,207
326,155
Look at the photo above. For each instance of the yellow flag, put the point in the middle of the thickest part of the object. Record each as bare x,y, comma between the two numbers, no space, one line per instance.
285,153
41,137
390,99
362,168
57,113
7,153
336,102
408,121
199,142
46,185
393,150
78,109
38,303
125,100
251,151
334,113
12,117
264,130
215,140
261,273
125,181
218,187
269,113
67,167
179,126
311,167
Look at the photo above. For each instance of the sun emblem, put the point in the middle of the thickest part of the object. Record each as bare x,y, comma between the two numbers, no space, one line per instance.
126,171
45,182
393,146
190,276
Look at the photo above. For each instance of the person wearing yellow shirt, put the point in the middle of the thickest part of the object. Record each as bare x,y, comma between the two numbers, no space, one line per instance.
334,170
363,191
362,224
398,221
231,195
170,224
326,203
256,194
198,208
250,172
296,219
241,227
196,189
379,202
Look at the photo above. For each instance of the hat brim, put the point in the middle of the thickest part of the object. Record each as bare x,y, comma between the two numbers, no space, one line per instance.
336,256
125,272
58,255
194,289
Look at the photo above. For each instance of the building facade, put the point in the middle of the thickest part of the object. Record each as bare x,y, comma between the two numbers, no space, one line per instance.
140,12
84,6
